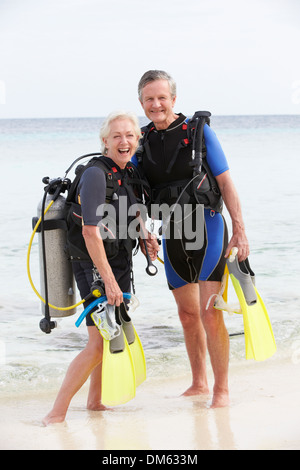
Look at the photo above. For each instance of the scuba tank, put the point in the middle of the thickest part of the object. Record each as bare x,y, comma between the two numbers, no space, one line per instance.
56,275
59,273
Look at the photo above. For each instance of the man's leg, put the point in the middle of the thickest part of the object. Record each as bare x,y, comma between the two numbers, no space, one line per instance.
217,343
188,303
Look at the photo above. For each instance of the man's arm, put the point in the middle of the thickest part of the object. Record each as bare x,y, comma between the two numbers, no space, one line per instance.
233,205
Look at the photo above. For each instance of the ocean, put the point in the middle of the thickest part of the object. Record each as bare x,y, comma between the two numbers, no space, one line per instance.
263,155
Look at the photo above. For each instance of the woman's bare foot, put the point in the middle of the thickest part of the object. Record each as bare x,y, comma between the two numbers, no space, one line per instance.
96,407
53,419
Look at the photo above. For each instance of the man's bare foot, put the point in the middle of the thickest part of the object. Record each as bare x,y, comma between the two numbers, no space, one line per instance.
220,400
196,390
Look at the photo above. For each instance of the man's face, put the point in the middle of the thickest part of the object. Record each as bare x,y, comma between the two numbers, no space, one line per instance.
158,103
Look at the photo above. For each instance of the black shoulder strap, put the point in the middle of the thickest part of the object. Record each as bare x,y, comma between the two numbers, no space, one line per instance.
195,132
194,127
111,180
144,144
195,123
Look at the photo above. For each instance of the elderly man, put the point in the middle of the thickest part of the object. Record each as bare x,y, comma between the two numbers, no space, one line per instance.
193,275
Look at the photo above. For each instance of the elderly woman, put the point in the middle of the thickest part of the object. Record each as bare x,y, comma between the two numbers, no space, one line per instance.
119,135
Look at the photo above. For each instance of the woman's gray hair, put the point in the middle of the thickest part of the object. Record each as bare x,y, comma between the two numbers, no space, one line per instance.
105,128
153,75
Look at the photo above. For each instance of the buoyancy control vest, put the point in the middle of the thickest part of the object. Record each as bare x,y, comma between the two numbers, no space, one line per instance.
136,191
202,187
60,232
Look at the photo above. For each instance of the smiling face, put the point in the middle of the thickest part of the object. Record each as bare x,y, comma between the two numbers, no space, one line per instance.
158,103
121,142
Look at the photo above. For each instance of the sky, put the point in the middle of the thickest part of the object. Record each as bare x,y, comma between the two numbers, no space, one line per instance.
84,58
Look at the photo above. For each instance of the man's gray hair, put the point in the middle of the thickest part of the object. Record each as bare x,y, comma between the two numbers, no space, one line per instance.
153,75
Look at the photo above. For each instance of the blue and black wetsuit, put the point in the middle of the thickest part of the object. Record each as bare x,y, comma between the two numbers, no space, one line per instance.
183,266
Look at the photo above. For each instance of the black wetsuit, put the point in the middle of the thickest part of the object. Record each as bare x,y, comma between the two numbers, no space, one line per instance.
91,192
182,265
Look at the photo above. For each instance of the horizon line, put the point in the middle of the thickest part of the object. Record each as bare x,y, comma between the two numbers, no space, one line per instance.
144,117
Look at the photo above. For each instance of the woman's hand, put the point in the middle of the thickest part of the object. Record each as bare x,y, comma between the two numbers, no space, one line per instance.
113,292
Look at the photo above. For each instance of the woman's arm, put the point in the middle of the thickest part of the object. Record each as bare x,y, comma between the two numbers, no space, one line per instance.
95,247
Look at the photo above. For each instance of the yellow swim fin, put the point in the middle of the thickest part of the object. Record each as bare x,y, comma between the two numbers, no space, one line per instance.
118,371
135,346
259,338
224,286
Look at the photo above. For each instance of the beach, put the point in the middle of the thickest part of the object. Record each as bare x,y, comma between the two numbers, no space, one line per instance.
264,415
264,412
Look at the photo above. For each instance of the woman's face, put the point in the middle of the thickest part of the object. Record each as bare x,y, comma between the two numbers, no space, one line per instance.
121,142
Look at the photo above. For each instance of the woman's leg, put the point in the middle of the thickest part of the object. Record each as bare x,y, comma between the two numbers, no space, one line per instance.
79,371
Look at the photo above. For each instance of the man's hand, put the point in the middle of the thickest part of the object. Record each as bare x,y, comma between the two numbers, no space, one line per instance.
152,246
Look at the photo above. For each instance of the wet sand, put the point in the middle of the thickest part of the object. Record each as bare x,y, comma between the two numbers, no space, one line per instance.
264,414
